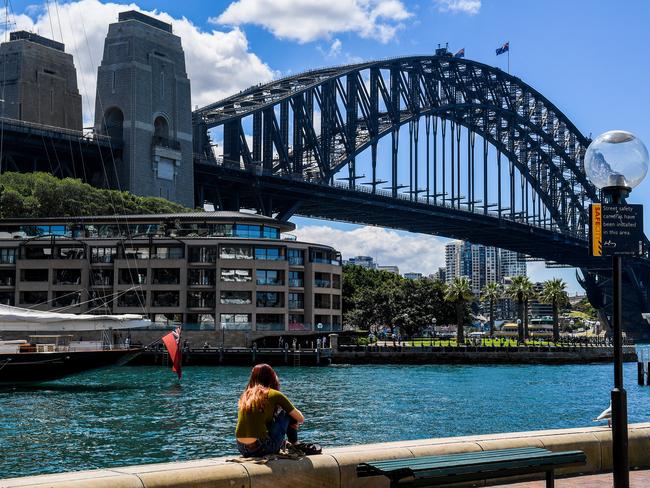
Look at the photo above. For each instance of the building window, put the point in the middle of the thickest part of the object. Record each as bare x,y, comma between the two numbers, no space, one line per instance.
66,299
7,277
321,301
272,277
269,321
271,232
236,321
33,297
202,254
296,301
296,279
236,275
296,257
33,252
297,322
71,253
165,299
132,276
248,231
336,302
136,252
270,299
8,256
322,280
101,277
269,253
164,252
7,298
166,276
36,275
236,252
336,281
132,298
200,277
236,297
102,254
67,277
200,299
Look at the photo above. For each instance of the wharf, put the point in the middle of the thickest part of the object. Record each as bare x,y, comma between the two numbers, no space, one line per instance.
240,356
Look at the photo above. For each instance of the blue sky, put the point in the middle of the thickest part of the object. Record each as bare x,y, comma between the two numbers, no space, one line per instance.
590,58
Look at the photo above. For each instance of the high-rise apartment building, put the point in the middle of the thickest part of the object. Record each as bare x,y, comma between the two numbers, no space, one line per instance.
481,264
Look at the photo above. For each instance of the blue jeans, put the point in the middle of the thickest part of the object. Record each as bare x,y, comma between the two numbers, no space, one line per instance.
282,425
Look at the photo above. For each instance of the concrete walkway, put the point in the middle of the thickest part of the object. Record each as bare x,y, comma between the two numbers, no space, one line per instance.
638,479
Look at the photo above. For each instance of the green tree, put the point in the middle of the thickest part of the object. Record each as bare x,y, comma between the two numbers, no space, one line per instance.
492,293
554,292
459,292
522,290
35,195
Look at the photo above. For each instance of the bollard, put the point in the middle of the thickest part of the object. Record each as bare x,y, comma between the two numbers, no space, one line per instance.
640,371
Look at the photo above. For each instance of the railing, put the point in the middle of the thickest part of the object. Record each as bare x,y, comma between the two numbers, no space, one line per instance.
322,283
270,281
88,135
300,326
269,326
236,325
296,261
296,283
296,305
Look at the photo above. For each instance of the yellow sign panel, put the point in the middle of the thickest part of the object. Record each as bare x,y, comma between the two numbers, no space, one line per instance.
596,229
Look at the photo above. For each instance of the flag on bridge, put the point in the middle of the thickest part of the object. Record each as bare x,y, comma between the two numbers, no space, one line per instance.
172,342
460,53
503,49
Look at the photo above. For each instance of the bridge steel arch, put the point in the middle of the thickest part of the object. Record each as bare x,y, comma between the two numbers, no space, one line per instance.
312,127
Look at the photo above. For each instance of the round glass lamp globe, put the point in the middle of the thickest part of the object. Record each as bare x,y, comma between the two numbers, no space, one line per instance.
616,159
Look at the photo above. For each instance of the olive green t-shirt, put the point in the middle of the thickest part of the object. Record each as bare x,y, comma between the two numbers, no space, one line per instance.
253,423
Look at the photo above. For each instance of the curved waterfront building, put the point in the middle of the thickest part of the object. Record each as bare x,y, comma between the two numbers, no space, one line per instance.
227,276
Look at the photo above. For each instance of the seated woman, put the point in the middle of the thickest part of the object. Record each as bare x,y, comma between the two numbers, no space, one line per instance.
266,416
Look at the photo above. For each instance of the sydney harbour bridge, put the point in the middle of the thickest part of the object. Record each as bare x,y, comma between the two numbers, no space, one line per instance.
429,144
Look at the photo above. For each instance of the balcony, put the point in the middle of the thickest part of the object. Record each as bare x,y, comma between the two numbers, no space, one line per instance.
296,283
296,261
270,281
322,283
296,305
236,325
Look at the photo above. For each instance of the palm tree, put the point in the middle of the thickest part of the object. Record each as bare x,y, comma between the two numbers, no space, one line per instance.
522,290
459,292
492,293
554,292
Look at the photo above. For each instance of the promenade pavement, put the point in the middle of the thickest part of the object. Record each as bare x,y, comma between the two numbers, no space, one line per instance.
638,479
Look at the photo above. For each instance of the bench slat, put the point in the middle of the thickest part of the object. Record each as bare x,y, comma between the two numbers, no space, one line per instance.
472,464
459,457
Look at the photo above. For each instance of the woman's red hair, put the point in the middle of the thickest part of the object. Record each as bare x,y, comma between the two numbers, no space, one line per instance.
256,393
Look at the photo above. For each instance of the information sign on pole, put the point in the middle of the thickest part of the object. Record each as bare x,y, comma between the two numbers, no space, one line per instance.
616,229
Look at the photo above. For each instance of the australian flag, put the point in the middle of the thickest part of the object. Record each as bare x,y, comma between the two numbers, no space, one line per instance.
460,53
503,49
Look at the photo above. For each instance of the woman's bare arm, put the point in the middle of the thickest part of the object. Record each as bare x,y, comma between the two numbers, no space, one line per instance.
297,415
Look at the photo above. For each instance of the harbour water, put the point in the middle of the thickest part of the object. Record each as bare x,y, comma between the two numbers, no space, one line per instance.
136,415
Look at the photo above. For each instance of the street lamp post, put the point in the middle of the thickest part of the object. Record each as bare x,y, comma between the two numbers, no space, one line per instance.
616,162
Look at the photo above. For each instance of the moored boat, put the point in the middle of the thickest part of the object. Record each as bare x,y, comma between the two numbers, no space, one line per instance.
52,354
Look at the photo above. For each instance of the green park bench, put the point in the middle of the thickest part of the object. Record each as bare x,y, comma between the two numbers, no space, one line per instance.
471,466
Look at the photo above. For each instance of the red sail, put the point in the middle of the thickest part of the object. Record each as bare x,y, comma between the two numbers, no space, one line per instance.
172,343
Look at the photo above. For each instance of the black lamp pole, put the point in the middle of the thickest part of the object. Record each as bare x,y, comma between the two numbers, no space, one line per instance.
619,395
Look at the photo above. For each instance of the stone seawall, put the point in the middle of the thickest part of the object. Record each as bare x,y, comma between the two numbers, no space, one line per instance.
336,467
478,355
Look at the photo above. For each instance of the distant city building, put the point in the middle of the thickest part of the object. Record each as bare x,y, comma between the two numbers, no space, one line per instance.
363,261
439,275
413,276
481,264
389,268
537,308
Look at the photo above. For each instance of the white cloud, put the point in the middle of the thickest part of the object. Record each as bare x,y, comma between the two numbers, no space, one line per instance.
218,63
470,7
335,48
308,20
411,252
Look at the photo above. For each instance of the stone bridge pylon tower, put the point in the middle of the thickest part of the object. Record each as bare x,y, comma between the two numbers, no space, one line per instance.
143,99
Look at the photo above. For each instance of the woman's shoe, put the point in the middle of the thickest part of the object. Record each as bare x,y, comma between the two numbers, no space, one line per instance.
308,448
